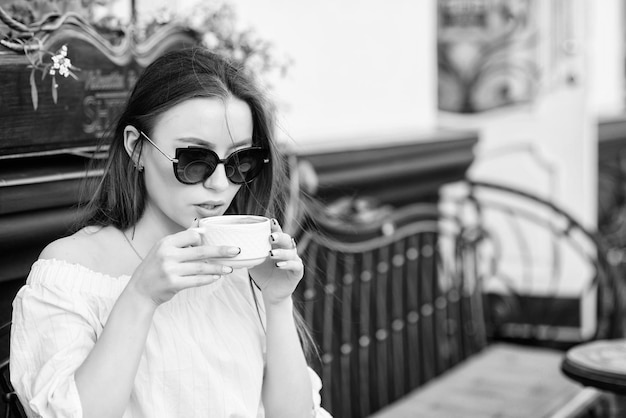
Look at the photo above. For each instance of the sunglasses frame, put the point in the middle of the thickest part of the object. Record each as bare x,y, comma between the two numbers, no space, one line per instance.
175,161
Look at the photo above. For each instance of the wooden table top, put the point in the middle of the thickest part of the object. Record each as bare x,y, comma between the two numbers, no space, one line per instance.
603,355
601,364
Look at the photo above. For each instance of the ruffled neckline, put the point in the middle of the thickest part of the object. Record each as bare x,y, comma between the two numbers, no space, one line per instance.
55,262
74,277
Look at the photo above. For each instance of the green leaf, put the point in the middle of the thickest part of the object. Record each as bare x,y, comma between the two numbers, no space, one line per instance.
55,93
33,90
29,56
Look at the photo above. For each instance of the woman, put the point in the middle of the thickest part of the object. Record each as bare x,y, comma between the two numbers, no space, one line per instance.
129,316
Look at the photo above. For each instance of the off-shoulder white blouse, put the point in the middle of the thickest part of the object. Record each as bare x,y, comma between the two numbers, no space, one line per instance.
204,355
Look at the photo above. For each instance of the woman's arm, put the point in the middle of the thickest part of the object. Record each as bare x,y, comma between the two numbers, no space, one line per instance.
287,387
105,378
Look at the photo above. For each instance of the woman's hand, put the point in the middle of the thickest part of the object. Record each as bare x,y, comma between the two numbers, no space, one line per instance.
177,262
281,272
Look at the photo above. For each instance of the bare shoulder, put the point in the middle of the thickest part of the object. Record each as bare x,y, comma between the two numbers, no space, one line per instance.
84,247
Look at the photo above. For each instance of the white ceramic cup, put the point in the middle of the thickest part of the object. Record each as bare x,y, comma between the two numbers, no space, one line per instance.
251,233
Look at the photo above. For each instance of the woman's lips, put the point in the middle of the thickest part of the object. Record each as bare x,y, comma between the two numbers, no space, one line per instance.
209,208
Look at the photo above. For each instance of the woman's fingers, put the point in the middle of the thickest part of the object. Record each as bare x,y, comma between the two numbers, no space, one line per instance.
275,226
282,254
293,265
198,280
278,238
202,268
187,238
203,252
193,238
281,240
184,275
188,246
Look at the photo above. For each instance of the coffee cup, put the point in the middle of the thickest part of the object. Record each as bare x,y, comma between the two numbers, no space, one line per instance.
250,233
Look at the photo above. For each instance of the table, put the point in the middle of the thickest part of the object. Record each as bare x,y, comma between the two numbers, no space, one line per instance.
601,364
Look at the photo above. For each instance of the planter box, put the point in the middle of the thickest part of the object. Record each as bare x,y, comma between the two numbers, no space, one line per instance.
86,107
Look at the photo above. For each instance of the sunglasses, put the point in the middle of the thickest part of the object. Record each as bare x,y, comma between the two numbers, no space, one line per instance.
195,164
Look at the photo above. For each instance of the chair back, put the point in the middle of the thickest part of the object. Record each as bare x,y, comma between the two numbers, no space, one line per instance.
392,303
10,407
546,276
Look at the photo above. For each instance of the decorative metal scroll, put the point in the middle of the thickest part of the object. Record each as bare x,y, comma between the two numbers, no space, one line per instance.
612,200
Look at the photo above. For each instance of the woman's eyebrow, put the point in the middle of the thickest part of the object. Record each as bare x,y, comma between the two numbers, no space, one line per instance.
211,145
242,143
196,141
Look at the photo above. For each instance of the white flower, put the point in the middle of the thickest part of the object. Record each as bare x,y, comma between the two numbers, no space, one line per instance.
60,63
210,40
238,54
163,15
255,63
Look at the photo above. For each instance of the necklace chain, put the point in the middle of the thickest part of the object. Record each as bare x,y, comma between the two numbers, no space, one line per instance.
131,245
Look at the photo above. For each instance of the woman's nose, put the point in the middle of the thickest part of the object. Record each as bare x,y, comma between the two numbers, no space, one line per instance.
218,180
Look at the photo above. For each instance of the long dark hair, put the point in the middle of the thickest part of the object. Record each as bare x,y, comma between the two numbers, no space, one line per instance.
118,198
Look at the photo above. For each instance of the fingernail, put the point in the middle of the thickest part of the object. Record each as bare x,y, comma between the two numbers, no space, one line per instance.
281,264
273,237
271,253
274,222
234,250
227,269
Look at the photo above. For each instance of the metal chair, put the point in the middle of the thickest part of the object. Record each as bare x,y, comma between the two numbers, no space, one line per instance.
396,296
392,303
547,280
11,406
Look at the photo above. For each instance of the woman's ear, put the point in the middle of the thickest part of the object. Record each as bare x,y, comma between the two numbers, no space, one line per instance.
131,138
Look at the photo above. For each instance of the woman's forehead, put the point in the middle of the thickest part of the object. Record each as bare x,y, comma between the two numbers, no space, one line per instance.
208,119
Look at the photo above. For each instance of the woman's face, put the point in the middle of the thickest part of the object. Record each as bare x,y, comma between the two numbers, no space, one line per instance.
223,126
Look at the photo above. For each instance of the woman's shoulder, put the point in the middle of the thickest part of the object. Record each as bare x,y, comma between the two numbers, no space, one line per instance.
76,262
93,247
82,247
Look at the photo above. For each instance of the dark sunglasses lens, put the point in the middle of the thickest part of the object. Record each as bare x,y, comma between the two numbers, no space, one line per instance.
195,165
244,165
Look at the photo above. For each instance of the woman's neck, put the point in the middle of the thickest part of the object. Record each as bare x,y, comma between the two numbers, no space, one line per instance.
151,227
